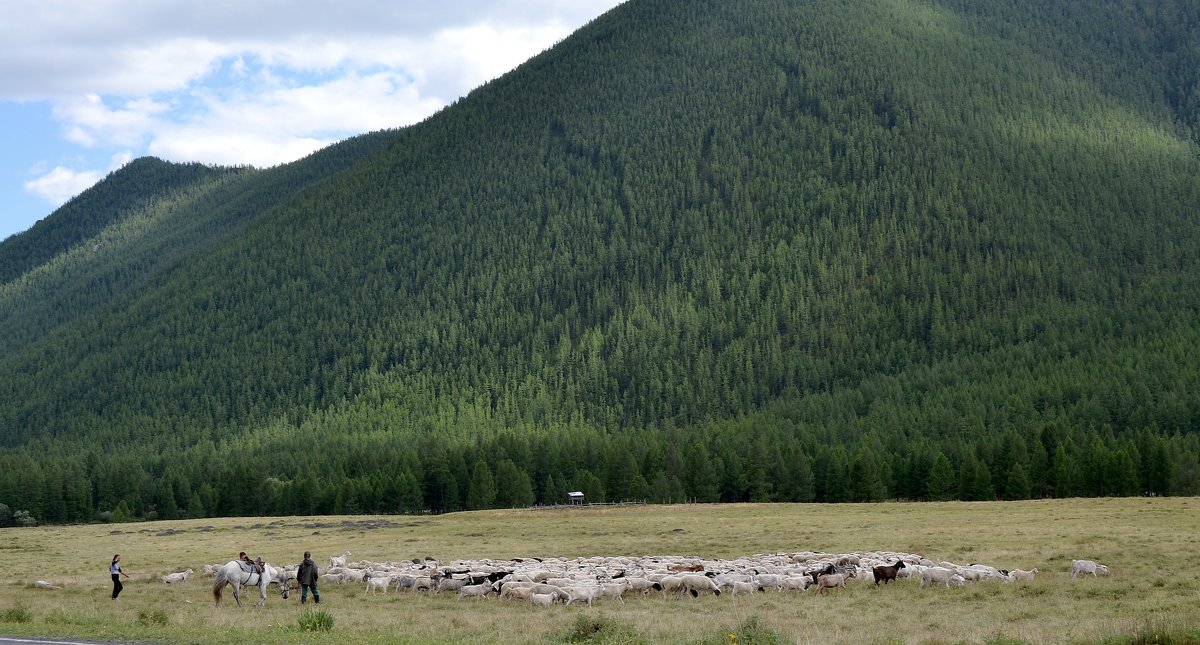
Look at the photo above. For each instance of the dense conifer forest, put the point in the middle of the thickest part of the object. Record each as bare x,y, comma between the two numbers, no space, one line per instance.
701,250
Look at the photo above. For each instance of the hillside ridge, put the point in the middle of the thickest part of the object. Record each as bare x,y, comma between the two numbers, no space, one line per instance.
751,252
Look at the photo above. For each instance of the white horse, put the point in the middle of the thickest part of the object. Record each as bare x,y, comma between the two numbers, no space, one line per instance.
232,574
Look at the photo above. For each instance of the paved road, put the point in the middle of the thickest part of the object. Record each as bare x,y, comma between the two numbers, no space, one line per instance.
18,640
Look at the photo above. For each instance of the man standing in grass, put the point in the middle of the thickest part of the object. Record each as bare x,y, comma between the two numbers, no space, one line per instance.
306,575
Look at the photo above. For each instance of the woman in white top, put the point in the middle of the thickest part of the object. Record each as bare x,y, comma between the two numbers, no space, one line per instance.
115,570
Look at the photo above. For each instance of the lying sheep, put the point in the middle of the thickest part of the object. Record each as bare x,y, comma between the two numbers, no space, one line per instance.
172,578
1086,567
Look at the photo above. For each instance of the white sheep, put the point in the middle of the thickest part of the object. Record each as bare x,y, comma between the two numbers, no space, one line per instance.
1086,567
769,581
797,583
940,575
739,587
586,593
378,583
697,584
171,578
1018,575
641,585
338,560
475,591
671,585
517,591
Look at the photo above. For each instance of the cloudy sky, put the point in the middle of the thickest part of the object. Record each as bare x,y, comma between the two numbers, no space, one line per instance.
87,85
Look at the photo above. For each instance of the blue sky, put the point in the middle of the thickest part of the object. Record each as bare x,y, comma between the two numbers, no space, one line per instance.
87,86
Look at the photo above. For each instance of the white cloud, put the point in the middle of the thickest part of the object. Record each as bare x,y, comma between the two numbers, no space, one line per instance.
259,83
61,184
90,122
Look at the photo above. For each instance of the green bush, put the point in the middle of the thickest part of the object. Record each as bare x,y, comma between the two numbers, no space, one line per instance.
751,631
17,614
1153,634
600,630
152,617
316,621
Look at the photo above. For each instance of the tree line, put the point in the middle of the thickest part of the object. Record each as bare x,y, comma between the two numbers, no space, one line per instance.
816,252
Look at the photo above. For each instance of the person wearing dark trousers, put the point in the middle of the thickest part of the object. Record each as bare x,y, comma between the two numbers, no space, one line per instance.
114,568
306,575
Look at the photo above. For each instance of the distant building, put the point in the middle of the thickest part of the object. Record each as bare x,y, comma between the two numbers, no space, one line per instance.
575,497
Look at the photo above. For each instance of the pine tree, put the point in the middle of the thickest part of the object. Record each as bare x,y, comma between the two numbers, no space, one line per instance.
482,491
1017,485
943,482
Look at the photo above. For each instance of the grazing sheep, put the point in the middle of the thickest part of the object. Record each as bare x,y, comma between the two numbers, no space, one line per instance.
1086,567
517,592
830,580
172,578
543,599
978,572
939,575
475,591
769,581
739,587
797,583
585,593
697,584
1017,575
671,584
449,584
641,585
378,583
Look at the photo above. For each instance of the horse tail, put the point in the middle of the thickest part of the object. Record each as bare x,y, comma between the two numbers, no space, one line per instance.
219,582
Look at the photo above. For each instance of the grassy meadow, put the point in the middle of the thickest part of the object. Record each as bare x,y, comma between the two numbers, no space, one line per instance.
1151,545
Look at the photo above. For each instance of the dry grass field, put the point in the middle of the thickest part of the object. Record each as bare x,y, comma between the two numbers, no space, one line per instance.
1151,545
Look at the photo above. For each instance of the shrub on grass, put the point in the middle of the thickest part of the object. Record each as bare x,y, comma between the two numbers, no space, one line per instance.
602,630
16,614
751,631
154,617
316,621
1165,635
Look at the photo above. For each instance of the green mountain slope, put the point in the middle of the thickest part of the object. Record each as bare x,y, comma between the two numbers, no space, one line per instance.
760,250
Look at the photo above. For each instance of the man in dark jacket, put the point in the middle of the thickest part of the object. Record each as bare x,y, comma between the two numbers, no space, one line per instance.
306,575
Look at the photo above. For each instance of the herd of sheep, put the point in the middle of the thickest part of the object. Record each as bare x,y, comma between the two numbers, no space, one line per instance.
545,581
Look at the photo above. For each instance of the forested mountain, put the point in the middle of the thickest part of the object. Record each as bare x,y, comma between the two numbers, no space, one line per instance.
763,250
